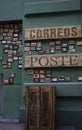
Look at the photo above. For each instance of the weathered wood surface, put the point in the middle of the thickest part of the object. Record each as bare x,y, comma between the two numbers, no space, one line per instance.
40,108
53,32
55,60
32,108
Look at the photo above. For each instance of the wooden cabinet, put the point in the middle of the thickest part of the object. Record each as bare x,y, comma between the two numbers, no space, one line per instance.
40,108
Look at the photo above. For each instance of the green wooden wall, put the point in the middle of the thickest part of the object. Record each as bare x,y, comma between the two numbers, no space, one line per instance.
36,14
11,12
10,69
40,14
11,101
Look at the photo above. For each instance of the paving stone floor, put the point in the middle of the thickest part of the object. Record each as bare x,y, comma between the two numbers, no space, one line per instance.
18,126
11,126
66,128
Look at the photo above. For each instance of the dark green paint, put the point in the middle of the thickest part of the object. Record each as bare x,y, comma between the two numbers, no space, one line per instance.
11,101
69,117
11,10
52,7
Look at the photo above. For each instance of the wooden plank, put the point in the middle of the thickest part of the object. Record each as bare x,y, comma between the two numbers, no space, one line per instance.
46,108
54,108
54,60
36,8
53,32
33,108
79,43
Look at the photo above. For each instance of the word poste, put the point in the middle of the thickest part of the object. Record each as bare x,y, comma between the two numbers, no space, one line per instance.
53,60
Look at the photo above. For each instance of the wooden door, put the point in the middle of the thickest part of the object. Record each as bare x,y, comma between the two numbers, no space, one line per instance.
40,108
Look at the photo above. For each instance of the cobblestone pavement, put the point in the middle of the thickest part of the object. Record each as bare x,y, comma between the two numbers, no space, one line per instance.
66,128
11,126
18,126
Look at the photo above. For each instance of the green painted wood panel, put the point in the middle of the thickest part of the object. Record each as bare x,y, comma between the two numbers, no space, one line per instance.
11,101
11,10
69,117
52,7
17,79
64,19
69,95
11,91
32,1
66,92
69,102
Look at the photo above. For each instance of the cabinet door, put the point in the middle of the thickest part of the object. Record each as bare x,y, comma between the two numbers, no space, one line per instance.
32,105
40,108
47,108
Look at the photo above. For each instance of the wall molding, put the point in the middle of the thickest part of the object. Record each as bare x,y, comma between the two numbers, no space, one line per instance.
36,8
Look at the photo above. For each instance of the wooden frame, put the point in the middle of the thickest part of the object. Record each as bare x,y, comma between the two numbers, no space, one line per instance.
64,49
4,42
4,66
11,80
33,48
42,80
79,78
47,51
40,52
52,50
54,79
64,45
36,80
36,75
30,71
42,76
48,80
67,78
12,75
9,65
38,44
5,50
10,60
5,81
33,44
58,47
61,78
19,66
27,44
52,43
